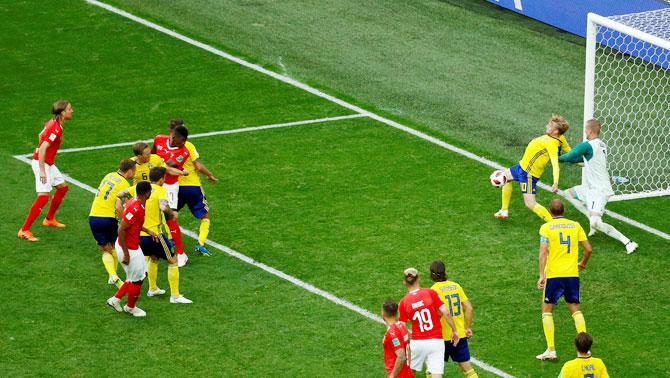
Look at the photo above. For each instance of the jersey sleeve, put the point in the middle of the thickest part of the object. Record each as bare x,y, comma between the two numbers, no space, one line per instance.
565,146
582,234
401,311
461,293
133,191
192,151
604,370
578,154
130,216
394,340
544,234
157,161
552,149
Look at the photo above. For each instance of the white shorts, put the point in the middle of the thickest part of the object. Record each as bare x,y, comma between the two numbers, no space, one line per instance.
430,352
54,177
593,199
172,194
136,269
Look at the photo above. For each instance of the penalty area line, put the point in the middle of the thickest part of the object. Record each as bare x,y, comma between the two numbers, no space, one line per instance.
219,132
278,273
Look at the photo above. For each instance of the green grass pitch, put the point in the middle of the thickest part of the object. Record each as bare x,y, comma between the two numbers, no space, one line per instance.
343,205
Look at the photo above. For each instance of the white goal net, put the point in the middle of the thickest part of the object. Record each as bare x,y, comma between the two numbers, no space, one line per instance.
627,89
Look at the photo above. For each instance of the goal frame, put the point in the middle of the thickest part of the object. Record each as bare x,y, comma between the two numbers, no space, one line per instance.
593,20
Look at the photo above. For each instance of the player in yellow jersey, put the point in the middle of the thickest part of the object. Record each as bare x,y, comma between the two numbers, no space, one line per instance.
146,160
157,210
191,193
104,213
539,152
459,306
584,366
559,271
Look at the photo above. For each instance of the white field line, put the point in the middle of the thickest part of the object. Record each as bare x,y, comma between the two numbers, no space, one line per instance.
343,103
220,132
276,272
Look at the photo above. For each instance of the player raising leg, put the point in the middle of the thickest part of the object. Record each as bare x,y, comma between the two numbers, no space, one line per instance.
539,152
591,197
104,212
129,252
559,271
47,175
191,192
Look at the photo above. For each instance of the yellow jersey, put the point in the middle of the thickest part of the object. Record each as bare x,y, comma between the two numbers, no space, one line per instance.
563,237
541,151
192,179
142,170
453,296
154,219
104,203
584,367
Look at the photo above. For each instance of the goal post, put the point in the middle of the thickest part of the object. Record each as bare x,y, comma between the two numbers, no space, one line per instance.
627,88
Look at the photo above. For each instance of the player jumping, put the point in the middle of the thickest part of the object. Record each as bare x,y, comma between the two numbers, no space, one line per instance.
539,152
102,217
591,197
47,175
559,271
460,308
191,193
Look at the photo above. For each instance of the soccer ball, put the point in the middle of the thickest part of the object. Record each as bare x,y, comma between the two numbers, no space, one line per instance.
498,178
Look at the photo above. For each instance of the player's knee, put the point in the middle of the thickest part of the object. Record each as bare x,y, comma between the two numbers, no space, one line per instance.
595,221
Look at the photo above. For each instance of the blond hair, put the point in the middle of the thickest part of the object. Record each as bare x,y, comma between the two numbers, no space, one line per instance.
560,123
594,125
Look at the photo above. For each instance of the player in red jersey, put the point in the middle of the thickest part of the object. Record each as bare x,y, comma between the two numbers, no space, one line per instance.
129,252
47,174
174,152
423,308
396,343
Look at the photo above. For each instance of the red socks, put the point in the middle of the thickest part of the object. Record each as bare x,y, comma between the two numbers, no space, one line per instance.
56,201
133,294
176,235
35,211
122,290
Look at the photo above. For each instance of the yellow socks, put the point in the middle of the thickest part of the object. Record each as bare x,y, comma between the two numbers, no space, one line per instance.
542,212
152,274
548,325
471,374
115,257
110,263
506,195
173,279
580,323
204,231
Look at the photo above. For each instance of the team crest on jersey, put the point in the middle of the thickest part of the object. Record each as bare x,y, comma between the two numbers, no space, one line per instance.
180,158
129,216
396,342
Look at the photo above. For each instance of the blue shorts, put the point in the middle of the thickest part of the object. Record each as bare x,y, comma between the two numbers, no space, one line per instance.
527,183
104,229
567,287
459,353
194,197
150,247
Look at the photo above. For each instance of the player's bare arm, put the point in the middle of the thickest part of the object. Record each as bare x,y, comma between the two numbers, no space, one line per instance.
151,233
123,228
544,252
587,254
399,362
468,318
202,169
41,154
176,171
450,321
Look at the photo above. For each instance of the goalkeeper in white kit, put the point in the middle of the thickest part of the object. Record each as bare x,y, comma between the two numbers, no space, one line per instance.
591,196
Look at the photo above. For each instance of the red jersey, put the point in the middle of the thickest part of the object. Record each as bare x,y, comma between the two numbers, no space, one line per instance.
52,133
179,155
133,214
396,337
421,306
